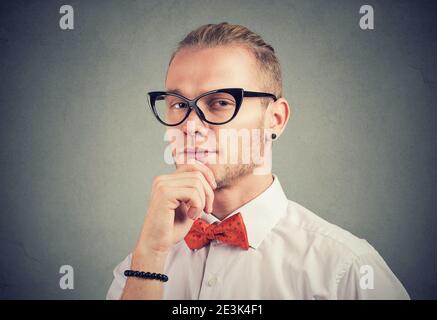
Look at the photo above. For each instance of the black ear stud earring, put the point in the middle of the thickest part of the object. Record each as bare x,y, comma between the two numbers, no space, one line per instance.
273,136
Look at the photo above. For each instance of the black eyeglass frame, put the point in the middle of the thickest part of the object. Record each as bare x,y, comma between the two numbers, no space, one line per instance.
237,93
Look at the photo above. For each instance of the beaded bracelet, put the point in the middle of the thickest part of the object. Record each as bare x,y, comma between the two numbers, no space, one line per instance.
146,275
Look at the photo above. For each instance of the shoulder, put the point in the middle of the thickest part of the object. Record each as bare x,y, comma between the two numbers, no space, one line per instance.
336,255
304,226
318,245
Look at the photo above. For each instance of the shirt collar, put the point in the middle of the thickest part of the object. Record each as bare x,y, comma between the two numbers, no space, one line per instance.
260,214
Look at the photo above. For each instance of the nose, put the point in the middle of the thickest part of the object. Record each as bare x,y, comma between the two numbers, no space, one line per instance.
194,125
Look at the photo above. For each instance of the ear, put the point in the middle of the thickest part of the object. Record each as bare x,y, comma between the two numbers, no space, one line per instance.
277,115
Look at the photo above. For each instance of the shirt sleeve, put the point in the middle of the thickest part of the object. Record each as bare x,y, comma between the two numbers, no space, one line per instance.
117,286
368,277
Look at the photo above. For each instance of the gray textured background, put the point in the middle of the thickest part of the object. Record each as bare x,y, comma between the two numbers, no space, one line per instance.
79,148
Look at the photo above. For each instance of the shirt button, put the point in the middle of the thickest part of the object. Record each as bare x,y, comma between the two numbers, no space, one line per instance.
212,281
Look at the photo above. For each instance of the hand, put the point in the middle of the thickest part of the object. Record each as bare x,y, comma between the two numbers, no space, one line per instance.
176,200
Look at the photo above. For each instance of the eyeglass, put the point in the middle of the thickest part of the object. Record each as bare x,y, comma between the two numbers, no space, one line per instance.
214,107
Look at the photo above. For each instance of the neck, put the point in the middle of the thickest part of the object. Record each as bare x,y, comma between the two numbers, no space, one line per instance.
245,189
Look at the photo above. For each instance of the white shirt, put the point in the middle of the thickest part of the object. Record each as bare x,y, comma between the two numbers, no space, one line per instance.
293,254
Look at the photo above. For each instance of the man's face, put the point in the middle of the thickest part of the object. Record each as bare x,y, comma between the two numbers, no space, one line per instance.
195,71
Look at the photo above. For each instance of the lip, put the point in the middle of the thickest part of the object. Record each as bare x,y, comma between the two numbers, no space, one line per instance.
197,153
198,150
200,154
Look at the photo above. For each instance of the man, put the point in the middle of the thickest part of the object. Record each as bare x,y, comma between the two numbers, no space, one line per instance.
226,230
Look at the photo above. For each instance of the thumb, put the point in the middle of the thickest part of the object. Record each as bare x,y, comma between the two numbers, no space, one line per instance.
194,212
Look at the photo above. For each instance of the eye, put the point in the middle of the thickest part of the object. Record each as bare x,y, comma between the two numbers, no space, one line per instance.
221,104
179,105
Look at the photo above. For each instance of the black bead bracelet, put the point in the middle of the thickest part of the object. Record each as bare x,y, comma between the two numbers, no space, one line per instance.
146,275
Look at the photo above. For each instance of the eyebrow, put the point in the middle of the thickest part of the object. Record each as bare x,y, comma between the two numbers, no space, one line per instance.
180,92
177,91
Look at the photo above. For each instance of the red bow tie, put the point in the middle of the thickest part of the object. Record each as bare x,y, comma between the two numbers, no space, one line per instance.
230,231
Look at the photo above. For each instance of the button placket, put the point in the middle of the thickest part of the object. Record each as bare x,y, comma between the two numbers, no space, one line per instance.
210,285
212,281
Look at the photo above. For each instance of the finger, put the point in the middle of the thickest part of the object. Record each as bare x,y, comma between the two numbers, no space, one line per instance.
191,198
197,180
199,166
193,213
186,179
164,184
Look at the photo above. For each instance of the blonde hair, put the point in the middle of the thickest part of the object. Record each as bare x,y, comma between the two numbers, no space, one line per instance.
221,34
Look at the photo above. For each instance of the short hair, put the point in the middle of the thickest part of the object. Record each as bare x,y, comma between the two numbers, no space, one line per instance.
224,33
